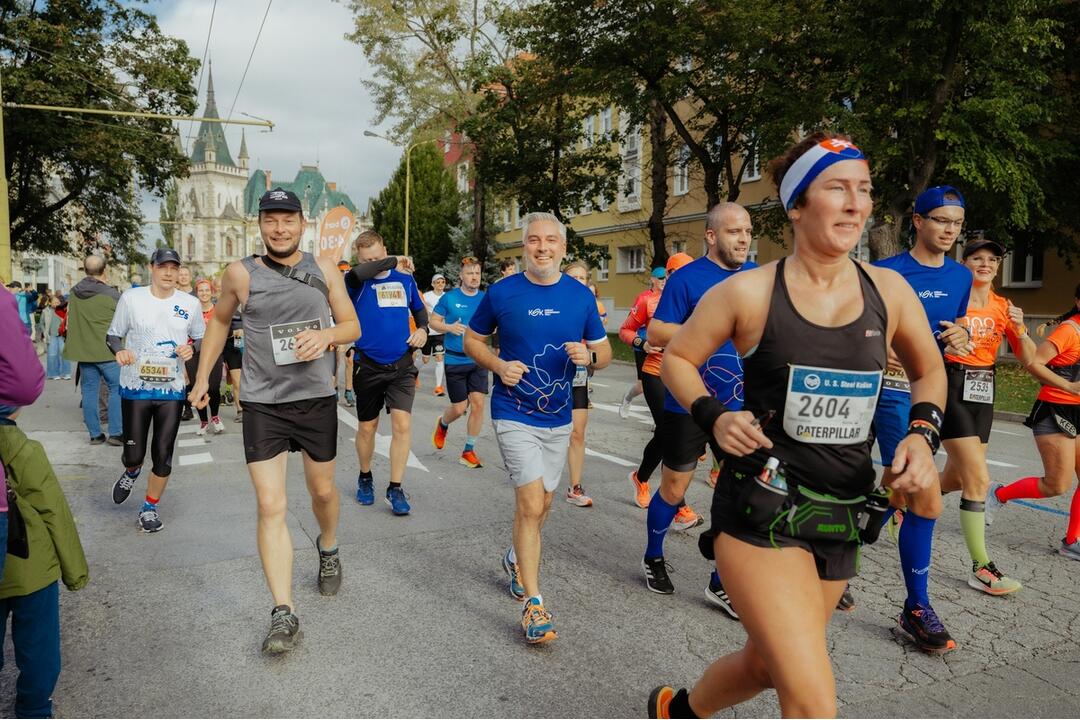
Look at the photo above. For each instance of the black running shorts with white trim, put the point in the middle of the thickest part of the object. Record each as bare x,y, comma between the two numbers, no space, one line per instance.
273,428
964,418
1047,418
377,386
461,380
433,346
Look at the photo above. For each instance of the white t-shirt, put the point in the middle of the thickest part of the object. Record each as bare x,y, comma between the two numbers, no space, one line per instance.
431,300
153,328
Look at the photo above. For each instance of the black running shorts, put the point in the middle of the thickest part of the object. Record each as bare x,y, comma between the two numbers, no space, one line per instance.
377,386
964,418
683,441
273,428
433,346
1048,418
461,380
233,356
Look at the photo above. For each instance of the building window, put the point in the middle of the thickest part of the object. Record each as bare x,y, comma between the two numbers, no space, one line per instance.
504,218
631,259
1023,267
229,246
678,246
602,270
587,131
602,203
752,168
681,184
463,177
586,207
190,246
630,177
517,215
447,139
605,123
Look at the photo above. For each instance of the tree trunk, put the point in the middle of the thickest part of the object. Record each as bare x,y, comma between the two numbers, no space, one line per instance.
712,184
659,189
884,238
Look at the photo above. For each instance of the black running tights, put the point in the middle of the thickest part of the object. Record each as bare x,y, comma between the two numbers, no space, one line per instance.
653,454
140,416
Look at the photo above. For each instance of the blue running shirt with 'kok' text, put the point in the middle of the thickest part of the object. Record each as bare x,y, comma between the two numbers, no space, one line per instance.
943,291
722,373
384,305
534,322
457,306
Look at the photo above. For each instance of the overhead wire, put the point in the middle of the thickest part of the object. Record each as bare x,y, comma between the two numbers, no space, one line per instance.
250,56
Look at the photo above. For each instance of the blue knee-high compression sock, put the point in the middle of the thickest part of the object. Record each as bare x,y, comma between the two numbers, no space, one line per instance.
888,516
714,579
916,539
658,521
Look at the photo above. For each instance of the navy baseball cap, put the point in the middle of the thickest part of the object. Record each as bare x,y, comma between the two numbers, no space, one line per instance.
932,198
280,199
165,255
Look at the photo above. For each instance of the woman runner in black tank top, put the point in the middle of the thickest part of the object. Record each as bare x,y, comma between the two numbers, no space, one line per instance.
814,330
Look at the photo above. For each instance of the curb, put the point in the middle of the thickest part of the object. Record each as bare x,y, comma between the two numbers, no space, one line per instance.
1009,416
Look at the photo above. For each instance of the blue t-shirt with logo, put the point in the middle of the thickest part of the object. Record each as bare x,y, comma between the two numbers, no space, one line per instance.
534,322
722,373
943,291
384,305
457,306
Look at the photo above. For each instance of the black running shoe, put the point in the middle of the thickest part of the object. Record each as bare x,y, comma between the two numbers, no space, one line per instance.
329,571
99,440
922,625
847,600
121,489
284,631
186,413
716,595
656,575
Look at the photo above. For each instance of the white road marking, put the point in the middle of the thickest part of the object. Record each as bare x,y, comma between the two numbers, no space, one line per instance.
635,413
610,458
382,442
191,442
998,463
197,459
596,384
187,429
1006,432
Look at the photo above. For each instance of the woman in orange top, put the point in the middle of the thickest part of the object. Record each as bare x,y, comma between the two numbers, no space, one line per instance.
204,290
651,385
1053,421
969,411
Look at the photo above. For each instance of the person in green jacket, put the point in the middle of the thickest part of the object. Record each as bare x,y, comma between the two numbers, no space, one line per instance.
29,591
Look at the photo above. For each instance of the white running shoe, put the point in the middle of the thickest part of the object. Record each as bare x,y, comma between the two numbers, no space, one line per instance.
216,425
624,407
202,428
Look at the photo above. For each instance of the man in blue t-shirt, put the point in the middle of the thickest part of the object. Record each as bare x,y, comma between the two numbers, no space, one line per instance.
542,316
943,285
728,233
466,382
383,371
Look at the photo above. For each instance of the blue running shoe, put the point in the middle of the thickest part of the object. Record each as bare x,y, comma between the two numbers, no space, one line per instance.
536,622
365,490
517,590
398,501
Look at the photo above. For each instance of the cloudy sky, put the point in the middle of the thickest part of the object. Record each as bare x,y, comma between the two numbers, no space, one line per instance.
305,77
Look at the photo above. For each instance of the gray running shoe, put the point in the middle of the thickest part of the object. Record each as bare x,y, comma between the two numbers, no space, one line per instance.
992,503
121,489
150,521
329,570
1070,550
284,631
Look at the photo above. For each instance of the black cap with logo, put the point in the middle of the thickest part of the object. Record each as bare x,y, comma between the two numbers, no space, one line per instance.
165,255
280,199
980,243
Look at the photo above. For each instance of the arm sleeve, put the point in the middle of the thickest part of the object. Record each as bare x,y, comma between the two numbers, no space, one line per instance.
366,271
483,320
115,343
420,317
22,376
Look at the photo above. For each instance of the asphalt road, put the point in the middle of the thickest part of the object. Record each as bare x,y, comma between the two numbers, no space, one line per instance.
171,623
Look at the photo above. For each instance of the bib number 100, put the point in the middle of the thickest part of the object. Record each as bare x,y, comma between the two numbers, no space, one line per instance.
816,406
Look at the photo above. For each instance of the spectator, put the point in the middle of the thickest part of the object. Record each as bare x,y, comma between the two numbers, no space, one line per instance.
91,305
26,300
52,318
21,381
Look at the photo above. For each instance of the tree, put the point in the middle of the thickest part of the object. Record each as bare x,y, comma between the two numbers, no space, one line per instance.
168,213
972,95
76,175
433,211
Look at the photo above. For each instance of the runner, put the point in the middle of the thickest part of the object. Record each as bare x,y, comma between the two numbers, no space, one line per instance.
814,329
289,298
541,315
384,372
632,333
434,345
149,337
466,382
969,412
575,495
943,285
204,291
344,357
183,280
727,238
234,360
651,297
1054,420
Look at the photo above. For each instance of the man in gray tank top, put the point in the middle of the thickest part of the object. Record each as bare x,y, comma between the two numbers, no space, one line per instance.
289,403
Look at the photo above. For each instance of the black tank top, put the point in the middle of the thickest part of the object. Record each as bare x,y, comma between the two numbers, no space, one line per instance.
823,383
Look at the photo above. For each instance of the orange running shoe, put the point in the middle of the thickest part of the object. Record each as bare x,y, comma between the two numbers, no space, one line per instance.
686,519
714,475
439,391
469,459
642,494
438,438
660,701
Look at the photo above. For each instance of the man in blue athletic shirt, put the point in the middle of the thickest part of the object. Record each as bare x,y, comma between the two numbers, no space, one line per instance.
542,316
943,285
383,371
728,232
466,382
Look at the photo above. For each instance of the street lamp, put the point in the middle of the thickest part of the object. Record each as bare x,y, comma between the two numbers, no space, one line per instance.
408,175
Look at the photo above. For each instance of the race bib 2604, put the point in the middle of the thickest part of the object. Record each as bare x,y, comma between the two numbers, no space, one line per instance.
830,407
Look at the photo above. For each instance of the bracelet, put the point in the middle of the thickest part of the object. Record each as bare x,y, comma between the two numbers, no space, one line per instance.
928,433
704,411
638,342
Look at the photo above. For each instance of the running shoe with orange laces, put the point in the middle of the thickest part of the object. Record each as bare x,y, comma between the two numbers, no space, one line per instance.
576,496
537,622
438,438
642,494
469,459
686,519
660,701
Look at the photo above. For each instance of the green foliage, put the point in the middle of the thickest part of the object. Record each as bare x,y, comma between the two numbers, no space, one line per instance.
168,213
433,211
461,245
73,177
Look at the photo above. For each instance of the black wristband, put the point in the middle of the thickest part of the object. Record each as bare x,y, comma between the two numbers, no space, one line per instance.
638,342
705,410
927,412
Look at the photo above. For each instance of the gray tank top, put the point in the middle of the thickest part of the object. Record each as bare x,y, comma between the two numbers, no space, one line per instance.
276,309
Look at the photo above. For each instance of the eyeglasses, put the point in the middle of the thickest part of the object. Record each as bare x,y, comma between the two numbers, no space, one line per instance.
946,222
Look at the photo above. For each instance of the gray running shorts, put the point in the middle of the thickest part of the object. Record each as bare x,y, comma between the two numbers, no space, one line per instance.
530,452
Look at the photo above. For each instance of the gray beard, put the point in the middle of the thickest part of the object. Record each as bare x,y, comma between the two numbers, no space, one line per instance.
544,274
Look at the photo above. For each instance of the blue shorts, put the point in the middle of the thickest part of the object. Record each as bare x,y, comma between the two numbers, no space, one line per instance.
890,422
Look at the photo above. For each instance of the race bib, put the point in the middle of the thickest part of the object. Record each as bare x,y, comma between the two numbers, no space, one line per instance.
896,380
830,407
391,294
283,338
979,386
157,368
581,376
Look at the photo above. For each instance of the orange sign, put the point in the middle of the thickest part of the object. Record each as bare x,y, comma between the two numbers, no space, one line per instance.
334,234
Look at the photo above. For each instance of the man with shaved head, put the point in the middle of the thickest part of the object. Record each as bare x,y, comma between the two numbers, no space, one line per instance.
91,307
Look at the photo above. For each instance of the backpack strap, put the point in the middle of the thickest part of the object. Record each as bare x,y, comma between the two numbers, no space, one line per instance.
293,273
